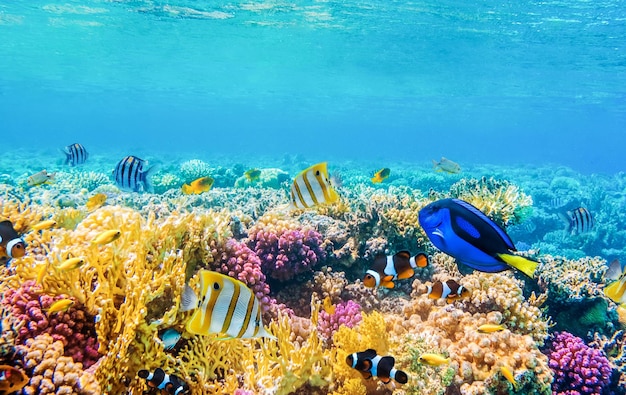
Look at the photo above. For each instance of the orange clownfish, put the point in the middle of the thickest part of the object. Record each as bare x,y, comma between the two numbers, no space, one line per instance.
450,290
385,269
370,364
381,175
196,187
11,244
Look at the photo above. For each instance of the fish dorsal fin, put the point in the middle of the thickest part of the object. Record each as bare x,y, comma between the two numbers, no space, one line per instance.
507,240
404,254
388,360
614,271
189,300
369,353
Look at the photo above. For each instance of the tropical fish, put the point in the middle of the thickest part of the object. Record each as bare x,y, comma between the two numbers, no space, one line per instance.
170,337
43,225
11,244
167,383
464,232
336,179
328,306
616,291
446,165
386,269
197,186
370,364
132,173
450,290
508,375
75,154
12,379
70,264
253,175
60,306
226,306
578,221
433,359
381,175
557,202
41,272
96,201
40,178
489,328
107,236
312,187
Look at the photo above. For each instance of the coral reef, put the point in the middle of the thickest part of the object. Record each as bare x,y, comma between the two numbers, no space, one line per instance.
346,313
578,368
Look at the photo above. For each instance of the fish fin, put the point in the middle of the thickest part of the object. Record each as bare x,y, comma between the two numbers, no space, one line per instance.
503,235
401,377
385,380
407,273
421,260
386,282
614,271
369,353
522,264
404,254
435,164
147,182
189,299
615,291
366,375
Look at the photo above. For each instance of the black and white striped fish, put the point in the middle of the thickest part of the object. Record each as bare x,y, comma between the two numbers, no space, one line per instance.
312,187
167,383
579,221
132,173
75,154
225,306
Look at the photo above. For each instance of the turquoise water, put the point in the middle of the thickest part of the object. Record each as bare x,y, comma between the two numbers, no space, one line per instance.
480,82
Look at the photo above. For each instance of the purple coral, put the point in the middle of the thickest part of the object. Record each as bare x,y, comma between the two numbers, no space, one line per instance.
346,313
75,328
578,368
240,262
286,252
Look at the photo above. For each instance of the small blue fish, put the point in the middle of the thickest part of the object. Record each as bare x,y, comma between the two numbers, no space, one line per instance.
467,234
170,338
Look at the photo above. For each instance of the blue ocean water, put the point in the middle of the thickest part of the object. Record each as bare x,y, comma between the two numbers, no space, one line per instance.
477,81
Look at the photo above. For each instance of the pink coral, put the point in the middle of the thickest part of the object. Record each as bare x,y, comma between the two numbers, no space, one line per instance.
286,251
579,369
240,262
346,313
74,328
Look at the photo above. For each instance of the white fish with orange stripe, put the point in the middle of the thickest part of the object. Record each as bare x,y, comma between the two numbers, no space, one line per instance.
226,306
312,187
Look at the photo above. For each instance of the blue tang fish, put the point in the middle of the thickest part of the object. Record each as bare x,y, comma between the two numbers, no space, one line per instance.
467,234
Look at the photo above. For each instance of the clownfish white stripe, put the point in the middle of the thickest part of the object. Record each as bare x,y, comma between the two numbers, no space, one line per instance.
374,368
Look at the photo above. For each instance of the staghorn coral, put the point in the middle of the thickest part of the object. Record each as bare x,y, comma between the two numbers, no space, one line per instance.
499,199
74,328
285,249
76,180
578,368
53,373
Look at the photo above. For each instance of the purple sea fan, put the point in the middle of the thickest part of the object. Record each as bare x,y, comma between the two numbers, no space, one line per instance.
346,313
578,369
286,252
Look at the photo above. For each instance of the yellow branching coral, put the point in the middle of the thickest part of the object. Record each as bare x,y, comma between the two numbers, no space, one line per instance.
22,214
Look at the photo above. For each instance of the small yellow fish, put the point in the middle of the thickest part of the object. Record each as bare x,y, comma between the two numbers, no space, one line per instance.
107,236
41,272
40,178
43,225
488,328
446,165
60,305
70,264
433,359
253,175
328,305
196,187
96,201
381,175
508,375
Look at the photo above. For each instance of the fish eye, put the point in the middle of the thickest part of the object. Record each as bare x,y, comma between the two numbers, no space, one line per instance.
317,173
216,286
